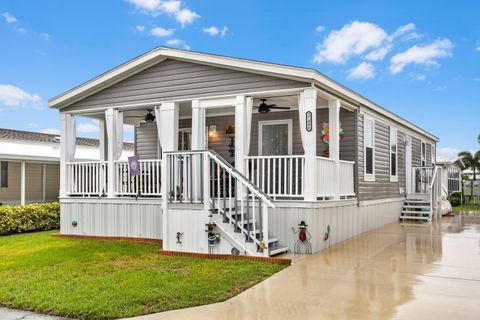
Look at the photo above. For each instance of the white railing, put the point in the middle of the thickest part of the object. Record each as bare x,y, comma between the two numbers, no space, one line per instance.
346,178
205,177
326,177
421,179
88,178
435,189
277,176
146,184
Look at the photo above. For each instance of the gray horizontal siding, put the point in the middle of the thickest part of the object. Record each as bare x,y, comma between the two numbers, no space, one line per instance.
146,141
416,152
175,79
382,187
428,150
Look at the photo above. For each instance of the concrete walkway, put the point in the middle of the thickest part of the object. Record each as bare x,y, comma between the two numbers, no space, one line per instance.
10,314
429,271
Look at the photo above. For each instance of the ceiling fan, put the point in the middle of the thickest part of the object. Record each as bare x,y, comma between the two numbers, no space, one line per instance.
265,108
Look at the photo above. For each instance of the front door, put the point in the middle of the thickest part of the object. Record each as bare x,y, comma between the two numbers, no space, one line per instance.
185,139
275,137
408,166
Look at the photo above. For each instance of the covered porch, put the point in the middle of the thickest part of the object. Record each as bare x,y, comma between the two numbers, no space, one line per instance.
280,149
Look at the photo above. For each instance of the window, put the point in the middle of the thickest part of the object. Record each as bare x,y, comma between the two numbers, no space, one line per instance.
3,174
369,151
393,154
424,154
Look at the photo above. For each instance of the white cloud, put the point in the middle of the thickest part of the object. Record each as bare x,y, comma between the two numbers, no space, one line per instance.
87,128
171,6
178,43
447,153
421,55
146,5
12,96
162,32
409,27
140,28
378,54
478,48
154,8
9,18
363,71
186,16
213,31
420,77
51,131
319,28
353,39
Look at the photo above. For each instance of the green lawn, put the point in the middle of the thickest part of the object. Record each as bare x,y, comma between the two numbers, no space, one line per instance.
470,207
91,279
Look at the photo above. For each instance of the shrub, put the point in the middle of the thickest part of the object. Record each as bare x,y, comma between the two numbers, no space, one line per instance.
32,217
455,202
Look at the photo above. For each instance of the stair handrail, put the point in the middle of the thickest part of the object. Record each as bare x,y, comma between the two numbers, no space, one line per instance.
431,186
233,171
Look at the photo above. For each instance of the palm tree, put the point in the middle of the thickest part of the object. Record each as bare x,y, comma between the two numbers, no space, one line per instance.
471,161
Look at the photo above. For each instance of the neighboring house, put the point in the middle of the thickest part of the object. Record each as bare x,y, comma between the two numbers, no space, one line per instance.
216,150
30,165
451,174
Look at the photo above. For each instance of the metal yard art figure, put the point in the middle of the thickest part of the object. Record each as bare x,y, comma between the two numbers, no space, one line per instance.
303,238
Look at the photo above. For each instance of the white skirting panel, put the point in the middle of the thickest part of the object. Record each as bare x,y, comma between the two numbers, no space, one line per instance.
346,219
191,223
111,218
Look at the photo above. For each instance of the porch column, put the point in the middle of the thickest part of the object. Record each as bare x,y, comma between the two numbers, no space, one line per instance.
334,145
308,115
67,148
169,138
103,140
240,133
198,126
22,183
110,124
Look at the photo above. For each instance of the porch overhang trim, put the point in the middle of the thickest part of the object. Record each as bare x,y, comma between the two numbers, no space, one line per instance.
160,53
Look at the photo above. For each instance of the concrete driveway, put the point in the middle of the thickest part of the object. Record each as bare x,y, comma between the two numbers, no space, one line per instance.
429,271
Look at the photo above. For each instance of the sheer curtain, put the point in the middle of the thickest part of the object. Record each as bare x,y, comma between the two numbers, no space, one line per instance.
157,120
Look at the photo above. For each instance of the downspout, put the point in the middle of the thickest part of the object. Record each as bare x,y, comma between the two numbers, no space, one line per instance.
355,169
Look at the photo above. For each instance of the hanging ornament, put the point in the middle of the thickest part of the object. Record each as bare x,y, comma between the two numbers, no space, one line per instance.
325,134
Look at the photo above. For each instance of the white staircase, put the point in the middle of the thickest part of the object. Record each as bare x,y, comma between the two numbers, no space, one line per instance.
237,206
245,233
417,207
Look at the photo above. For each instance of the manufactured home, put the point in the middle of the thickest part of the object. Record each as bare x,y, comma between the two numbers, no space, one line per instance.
30,165
233,154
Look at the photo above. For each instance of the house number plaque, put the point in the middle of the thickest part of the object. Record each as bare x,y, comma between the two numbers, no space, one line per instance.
309,121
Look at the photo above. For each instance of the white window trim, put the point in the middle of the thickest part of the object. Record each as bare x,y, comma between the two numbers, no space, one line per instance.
393,178
368,176
274,122
422,158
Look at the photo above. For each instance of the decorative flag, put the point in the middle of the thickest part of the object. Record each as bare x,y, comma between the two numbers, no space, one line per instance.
134,166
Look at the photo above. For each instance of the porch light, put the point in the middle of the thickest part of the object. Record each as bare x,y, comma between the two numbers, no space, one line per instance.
212,130
149,117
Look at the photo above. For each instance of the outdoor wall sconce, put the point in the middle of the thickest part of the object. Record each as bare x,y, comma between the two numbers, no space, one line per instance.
212,130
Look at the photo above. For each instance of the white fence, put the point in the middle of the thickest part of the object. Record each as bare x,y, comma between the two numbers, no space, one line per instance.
346,178
326,177
87,178
146,184
277,176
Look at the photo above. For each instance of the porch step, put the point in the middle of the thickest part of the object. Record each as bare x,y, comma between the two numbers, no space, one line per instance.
277,250
416,207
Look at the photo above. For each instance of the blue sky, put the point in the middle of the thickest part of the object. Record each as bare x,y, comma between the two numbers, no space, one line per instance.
417,58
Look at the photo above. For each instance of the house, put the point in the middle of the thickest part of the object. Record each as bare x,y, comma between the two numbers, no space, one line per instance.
30,165
234,154
451,174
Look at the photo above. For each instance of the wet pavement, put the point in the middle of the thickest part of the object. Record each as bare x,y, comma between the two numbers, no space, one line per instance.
401,271
10,314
